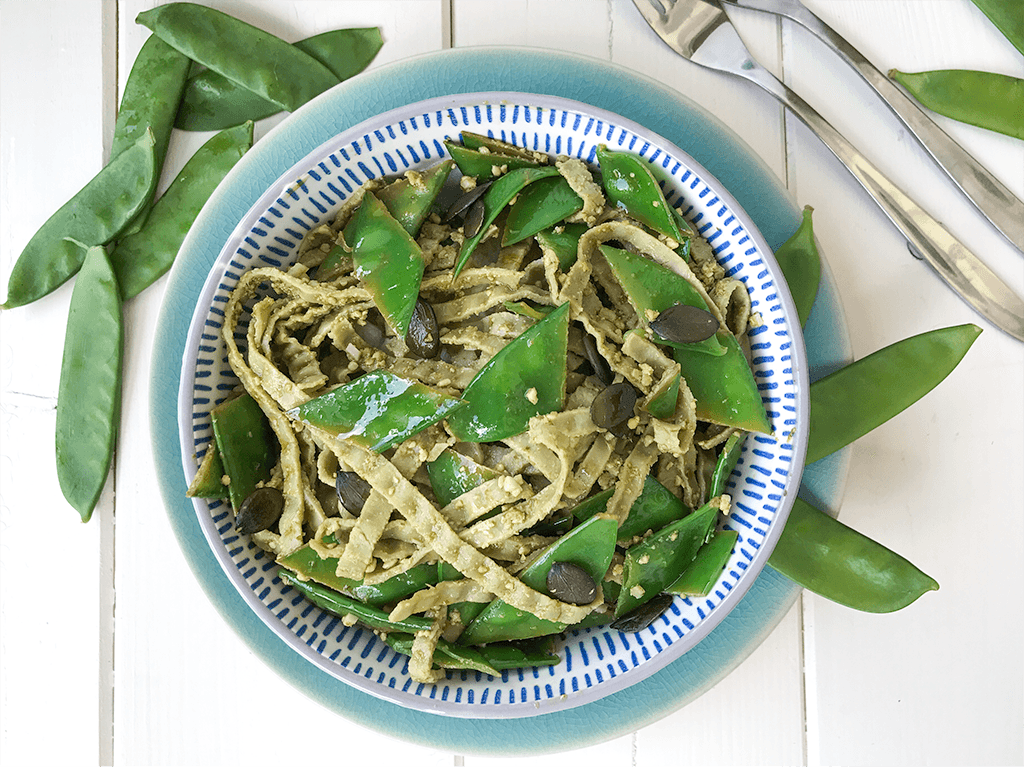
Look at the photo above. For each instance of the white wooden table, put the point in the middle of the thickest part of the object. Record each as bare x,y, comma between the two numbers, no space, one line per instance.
107,638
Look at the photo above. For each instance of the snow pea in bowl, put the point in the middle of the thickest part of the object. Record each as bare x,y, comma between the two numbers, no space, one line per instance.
528,421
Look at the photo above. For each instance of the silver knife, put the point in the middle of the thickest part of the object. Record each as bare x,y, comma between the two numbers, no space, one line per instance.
989,195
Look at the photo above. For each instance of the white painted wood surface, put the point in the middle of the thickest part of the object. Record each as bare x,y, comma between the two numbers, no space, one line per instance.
105,648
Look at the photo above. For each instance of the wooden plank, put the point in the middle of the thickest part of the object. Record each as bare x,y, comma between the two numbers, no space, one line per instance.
938,682
51,644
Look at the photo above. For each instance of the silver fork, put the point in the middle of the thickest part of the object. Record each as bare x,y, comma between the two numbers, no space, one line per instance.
700,31
990,196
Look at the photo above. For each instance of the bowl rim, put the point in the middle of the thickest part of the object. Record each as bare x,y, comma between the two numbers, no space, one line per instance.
609,686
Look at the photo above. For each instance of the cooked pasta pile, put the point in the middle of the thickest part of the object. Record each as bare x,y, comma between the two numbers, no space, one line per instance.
306,332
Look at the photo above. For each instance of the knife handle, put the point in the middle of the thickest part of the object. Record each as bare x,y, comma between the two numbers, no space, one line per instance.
990,196
965,273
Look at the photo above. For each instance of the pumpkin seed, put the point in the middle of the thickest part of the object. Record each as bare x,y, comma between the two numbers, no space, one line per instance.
474,219
602,370
613,405
461,205
372,334
642,616
570,583
259,511
424,338
685,324
353,491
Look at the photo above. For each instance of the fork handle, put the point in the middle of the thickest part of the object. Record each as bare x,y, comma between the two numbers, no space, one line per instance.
990,196
928,239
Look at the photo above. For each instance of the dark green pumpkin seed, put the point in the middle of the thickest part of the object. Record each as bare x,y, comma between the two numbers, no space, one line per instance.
462,204
474,219
613,405
569,583
353,491
602,370
372,334
260,510
424,338
685,324
642,616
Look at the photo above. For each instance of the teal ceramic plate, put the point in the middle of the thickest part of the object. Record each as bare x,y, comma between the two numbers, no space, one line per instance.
466,71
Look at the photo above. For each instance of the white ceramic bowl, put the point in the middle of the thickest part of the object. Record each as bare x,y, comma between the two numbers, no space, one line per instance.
595,662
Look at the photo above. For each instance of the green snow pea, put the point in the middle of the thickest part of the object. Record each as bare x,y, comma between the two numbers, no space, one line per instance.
653,288
150,100
526,309
1007,18
453,474
724,388
89,394
564,242
827,557
482,165
212,102
207,483
726,464
495,199
142,257
541,205
387,260
630,185
378,410
700,576
987,100
446,655
801,266
658,560
94,216
408,202
308,565
655,507
479,141
342,605
851,402
524,379
590,546
664,398
244,54
245,443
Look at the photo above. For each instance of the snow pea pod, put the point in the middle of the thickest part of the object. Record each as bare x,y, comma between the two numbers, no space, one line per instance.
658,560
654,508
524,379
151,98
485,165
387,260
541,205
590,546
341,605
852,401
308,565
207,483
1007,18
245,443
652,288
630,185
829,558
479,141
495,199
563,241
724,388
378,410
447,655
94,216
726,464
801,265
700,576
452,474
987,100
142,257
410,202
254,59
212,102
89,394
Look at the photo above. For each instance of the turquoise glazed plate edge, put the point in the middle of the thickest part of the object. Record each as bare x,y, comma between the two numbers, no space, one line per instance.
593,82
